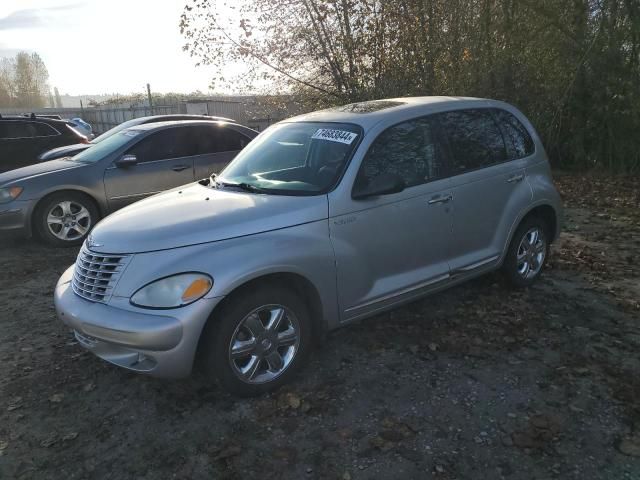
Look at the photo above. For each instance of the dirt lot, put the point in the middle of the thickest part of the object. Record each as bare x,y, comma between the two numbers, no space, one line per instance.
477,382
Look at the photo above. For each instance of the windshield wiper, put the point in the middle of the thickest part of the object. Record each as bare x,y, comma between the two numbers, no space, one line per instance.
247,187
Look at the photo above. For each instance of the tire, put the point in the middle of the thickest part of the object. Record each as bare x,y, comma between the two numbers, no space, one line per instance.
524,262
236,324
75,215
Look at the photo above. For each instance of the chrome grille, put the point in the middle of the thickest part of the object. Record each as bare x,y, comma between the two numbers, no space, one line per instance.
96,274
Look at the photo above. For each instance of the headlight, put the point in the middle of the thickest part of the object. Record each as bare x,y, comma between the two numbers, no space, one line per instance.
172,292
9,193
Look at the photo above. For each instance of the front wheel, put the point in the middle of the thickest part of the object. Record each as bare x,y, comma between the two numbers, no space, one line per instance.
527,253
258,341
65,218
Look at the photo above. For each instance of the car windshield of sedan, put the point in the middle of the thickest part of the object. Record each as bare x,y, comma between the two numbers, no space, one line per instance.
95,153
109,133
298,158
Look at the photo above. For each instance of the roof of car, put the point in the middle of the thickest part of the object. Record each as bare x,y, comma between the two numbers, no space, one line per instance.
170,123
368,113
28,118
183,116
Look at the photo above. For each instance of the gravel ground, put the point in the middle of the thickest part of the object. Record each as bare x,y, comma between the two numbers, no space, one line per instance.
477,382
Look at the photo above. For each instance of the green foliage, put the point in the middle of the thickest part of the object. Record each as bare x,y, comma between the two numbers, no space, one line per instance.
572,66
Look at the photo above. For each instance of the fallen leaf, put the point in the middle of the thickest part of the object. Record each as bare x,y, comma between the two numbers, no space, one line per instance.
630,446
56,397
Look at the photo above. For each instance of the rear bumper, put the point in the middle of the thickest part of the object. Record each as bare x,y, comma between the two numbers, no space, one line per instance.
14,218
161,343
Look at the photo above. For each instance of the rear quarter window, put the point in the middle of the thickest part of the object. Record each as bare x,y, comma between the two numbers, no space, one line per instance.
519,142
44,130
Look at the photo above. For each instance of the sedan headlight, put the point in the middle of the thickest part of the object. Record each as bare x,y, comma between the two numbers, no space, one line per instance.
9,193
172,292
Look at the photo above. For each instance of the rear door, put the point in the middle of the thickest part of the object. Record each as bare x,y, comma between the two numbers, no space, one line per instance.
487,185
217,145
19,144
165,161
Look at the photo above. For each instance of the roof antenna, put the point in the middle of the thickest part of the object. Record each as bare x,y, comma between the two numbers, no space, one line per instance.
33,116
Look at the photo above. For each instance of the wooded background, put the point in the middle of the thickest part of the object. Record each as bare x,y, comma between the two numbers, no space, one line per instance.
572,66
24,82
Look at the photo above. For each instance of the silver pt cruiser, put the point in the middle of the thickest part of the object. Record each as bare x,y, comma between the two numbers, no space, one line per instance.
323,219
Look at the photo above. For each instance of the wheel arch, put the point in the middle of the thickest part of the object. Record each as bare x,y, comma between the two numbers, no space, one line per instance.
294,281
543,210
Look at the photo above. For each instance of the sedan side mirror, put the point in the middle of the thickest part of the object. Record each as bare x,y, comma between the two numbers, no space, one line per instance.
383,184
126,161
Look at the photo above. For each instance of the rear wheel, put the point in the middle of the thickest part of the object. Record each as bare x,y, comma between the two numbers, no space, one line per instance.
527,253
259,340
65,218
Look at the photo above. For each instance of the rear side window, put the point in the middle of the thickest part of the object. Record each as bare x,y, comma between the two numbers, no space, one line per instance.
474,138
164,145
519,141
217,139
44,130
14,130
409,149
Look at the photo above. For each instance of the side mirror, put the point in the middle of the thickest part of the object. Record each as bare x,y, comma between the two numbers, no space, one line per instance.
126,161
383,184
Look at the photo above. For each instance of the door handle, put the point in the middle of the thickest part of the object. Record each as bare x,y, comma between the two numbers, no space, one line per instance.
516,178
440,199
179,168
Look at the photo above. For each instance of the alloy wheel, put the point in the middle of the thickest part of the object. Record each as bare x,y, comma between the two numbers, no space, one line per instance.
68,220
264,344
531,253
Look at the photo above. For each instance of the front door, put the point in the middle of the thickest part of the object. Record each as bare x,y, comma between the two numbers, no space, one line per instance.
394,247
165,161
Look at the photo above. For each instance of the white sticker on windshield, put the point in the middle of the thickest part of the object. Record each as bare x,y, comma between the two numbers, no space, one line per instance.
342,136
131,133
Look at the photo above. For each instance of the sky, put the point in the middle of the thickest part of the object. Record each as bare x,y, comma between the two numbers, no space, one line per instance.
104,46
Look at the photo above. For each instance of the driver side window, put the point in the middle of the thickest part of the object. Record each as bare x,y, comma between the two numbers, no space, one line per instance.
409,150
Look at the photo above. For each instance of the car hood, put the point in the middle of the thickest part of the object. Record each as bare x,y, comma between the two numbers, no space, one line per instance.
66,151
24,173
195,214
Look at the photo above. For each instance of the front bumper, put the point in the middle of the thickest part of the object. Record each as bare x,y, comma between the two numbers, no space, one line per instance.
161,343
14,217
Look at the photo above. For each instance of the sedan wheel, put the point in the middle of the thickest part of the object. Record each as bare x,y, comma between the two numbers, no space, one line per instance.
68,221
65,218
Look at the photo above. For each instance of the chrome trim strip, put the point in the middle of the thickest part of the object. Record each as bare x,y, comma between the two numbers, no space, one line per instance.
473,266
136,195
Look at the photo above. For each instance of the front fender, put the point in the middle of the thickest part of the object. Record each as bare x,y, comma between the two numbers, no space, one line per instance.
304,250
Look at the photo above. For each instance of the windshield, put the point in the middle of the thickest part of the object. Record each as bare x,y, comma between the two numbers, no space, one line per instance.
95,153
114,130
301,158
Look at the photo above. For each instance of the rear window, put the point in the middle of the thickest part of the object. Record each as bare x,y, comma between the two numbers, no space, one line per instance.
519,142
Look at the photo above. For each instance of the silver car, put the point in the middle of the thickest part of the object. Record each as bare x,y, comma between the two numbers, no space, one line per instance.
61,200
323,219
